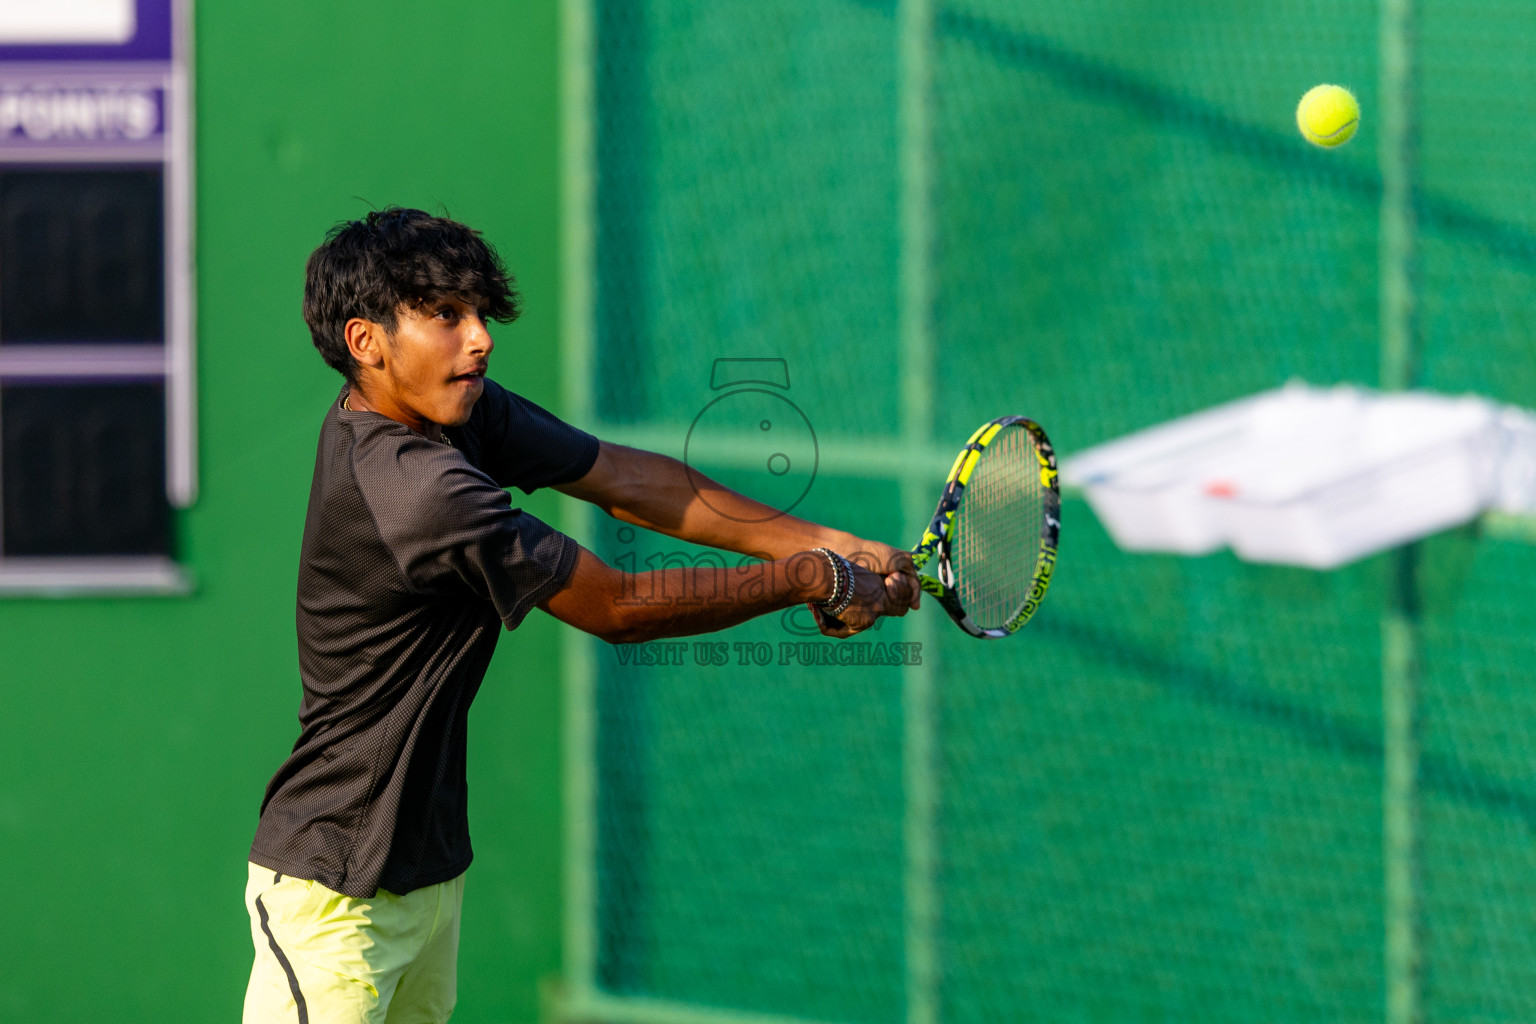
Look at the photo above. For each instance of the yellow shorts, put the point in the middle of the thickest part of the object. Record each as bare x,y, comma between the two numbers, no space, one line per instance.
325,958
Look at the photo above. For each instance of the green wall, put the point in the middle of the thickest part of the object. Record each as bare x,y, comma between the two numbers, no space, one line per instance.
139,733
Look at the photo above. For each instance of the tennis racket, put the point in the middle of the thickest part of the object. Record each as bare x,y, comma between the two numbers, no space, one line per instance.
992,540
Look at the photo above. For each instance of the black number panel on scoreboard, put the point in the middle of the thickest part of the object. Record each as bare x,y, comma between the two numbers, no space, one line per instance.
97,430
84,470
82,255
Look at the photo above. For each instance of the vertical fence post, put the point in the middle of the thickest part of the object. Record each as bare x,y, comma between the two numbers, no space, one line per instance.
1398,154
578,670
914,19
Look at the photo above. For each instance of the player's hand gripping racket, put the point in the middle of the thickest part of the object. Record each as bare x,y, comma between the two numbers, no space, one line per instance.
993,537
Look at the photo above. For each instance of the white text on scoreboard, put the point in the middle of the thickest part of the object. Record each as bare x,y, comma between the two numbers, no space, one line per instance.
52,114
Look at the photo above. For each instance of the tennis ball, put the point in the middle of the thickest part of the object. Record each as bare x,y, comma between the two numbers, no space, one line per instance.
1328,115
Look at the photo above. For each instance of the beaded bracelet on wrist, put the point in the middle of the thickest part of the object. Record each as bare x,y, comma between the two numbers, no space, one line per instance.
847,599
837,578
842,584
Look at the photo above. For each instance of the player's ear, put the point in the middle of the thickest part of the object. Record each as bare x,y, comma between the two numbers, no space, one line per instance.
365,340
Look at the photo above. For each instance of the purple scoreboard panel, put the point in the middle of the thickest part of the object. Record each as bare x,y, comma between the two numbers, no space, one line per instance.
97,444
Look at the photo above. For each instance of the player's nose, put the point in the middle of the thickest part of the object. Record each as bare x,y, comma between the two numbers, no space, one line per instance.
479,341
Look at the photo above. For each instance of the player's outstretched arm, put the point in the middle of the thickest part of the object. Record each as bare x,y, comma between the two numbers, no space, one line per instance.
622,607
660,493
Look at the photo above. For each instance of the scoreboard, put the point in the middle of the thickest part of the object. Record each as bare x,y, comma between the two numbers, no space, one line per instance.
97,444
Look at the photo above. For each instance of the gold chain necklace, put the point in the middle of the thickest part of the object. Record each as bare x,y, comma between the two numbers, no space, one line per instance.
442,437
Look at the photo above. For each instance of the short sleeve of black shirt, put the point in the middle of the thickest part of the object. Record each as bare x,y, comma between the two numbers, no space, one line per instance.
413,562
518,444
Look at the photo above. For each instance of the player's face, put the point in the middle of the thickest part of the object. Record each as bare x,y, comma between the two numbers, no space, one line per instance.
435,362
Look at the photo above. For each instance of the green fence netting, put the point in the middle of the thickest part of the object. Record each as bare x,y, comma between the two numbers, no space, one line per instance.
1163,800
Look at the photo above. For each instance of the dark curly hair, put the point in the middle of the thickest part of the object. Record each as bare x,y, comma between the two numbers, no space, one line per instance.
368,268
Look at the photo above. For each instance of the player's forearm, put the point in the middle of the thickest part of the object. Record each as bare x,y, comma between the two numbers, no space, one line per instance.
688,601
622,607
671,499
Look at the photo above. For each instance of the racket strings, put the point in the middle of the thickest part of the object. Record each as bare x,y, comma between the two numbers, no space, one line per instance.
997,529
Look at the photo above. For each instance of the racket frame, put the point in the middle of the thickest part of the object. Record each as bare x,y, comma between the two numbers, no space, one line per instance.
935,545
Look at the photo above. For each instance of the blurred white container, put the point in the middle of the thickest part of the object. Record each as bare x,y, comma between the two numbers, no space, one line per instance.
1516,493
1401,467
1152,488
1303,476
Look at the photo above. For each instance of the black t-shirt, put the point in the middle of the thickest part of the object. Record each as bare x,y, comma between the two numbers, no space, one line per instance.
413,559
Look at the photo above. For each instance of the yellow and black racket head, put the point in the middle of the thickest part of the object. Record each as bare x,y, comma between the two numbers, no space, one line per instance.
993,537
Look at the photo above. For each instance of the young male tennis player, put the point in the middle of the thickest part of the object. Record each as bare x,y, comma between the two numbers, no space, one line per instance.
413,560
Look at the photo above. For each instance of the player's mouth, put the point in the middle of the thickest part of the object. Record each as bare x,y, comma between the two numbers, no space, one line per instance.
472,375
